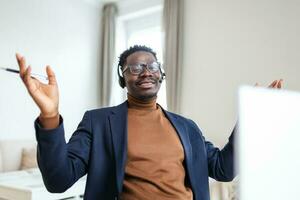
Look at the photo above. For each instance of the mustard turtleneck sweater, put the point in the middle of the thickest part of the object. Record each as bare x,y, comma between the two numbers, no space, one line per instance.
154,168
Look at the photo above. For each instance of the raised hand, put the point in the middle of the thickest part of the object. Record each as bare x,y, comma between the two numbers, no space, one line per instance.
277,84
44,95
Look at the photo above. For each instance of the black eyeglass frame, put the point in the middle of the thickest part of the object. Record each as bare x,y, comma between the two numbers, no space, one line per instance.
143,65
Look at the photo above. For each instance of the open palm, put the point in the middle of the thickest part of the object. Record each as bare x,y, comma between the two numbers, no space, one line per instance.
44,95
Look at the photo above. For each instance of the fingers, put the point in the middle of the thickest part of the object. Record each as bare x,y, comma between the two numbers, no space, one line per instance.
276,84
27,76
273,84
51,76
22,64
27,73
279,85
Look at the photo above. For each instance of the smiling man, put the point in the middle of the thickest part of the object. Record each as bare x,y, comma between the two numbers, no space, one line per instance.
142,72
133,151
154,167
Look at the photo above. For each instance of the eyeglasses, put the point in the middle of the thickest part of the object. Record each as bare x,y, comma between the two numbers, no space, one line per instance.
138,68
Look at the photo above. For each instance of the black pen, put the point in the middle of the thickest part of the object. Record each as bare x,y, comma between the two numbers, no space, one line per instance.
18,72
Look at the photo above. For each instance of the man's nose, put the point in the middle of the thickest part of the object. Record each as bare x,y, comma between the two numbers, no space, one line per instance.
146,72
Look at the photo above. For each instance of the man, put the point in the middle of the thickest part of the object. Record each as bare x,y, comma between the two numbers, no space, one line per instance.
133,151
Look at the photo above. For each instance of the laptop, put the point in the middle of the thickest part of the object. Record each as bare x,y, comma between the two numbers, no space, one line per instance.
268,144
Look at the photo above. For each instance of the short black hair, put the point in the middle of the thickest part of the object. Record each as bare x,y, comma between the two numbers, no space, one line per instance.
133,49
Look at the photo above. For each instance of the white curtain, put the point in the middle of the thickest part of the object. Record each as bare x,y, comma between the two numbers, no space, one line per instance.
107,51
173,29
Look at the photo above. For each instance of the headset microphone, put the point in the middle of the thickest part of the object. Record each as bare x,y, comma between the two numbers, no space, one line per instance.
162,78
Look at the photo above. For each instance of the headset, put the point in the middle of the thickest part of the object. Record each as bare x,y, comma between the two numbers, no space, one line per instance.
122,80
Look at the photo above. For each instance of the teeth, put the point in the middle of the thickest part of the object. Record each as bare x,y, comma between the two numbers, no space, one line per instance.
146,85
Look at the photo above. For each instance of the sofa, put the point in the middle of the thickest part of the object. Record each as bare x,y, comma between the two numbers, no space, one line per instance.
20,178
14,154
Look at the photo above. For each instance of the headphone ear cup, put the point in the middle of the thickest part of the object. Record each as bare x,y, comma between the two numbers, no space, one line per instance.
163,76
121,82
121,79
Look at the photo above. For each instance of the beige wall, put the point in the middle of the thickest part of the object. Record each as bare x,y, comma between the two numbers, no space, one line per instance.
230,43
63,34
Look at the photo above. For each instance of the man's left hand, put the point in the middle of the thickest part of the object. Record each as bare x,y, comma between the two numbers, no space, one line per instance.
277,84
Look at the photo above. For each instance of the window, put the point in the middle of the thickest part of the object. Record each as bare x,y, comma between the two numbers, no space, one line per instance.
143,27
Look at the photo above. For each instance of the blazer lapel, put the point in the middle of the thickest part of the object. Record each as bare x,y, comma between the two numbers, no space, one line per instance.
184,137
118,126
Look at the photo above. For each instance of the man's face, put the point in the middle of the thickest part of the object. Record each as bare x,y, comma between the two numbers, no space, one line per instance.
145,85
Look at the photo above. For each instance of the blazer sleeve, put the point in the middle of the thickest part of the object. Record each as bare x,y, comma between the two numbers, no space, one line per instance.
220,162
61,163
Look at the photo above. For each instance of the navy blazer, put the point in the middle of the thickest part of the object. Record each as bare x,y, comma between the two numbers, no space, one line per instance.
99,148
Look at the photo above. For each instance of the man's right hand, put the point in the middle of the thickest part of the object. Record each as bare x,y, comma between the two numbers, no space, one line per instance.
44,95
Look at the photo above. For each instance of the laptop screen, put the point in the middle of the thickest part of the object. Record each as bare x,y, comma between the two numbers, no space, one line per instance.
268,144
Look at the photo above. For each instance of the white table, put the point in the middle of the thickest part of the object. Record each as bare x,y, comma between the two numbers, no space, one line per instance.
28,185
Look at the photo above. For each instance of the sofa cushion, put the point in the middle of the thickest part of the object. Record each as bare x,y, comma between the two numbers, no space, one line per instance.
11,151
28,159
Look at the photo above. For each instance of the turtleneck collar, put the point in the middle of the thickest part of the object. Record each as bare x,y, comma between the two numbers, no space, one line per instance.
149,104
